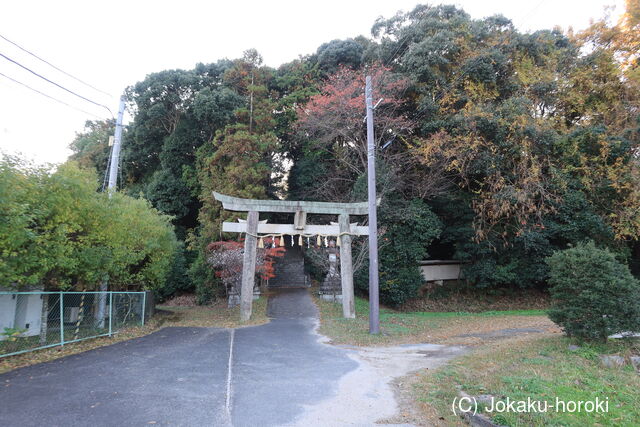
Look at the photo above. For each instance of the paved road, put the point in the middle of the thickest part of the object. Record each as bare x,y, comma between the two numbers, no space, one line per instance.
185,376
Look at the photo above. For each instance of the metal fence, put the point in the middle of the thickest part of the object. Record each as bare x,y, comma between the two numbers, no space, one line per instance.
35,320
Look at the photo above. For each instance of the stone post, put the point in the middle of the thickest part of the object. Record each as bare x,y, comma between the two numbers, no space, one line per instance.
248,266
346,268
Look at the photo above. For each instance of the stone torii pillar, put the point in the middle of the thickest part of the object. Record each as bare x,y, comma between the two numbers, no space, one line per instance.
248,267
252,228
346,268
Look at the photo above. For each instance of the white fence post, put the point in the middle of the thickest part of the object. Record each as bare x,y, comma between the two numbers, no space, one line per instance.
110,312
144,306
61,319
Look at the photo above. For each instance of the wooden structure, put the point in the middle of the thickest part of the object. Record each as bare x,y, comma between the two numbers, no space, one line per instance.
253,229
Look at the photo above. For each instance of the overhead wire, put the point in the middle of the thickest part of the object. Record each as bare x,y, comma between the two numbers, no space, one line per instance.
56,84
48,96
524,18
104,183
54,67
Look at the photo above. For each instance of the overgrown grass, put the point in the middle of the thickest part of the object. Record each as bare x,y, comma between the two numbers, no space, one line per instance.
419,327
460,297
542,369
481,314
217,315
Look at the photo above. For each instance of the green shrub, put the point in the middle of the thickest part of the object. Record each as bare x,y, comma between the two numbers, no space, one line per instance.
593,294
177,280
406,229
57,231
203,278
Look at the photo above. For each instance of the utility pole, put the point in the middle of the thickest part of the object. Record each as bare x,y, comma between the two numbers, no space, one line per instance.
113,181
115,153
374,297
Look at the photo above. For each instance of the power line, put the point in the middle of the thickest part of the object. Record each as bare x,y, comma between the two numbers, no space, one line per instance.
56,84
524,18
53,66
49,96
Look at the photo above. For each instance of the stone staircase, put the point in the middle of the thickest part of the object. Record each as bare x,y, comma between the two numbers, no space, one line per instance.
289,270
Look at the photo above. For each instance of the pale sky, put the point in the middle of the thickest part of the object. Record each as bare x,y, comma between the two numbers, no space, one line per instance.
114,44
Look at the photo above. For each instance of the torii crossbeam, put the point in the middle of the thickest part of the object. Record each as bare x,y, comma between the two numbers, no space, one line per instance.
300,208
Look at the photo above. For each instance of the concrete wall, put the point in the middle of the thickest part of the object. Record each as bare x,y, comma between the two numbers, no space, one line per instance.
7,311
28,314
433,270
21,312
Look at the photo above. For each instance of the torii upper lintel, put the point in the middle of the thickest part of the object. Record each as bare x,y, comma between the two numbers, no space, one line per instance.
288,206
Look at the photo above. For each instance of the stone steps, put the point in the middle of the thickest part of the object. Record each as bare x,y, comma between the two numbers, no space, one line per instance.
289,270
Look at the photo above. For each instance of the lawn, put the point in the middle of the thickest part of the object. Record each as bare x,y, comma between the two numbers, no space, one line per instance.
541,368
460,328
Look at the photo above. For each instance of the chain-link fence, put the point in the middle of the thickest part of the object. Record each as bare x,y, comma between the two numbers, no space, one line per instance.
34,320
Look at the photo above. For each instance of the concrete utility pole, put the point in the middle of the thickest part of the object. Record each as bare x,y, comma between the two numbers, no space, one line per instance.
115,153
113,181
374,297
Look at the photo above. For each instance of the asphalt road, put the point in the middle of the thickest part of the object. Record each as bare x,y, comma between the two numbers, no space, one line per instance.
256,376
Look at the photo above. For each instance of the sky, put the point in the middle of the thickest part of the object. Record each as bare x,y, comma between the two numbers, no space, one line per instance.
112,45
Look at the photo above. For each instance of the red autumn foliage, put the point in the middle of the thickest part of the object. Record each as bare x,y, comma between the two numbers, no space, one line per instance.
266,270
227,257
332,122
336,113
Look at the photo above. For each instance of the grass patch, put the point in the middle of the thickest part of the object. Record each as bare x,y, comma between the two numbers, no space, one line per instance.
543,369
481,314
464,298
217,315
422,327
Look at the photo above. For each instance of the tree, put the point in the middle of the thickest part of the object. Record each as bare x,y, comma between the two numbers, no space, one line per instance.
91,147
332,123
520,143
58,232
239,166
535,132
240,160
339,53
176,111
226,257
406,230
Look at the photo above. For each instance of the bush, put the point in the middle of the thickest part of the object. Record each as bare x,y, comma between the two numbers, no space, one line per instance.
406,229
57,231
177,280
593,294
203,278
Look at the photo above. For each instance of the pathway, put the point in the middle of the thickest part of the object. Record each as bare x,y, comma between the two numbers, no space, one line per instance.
270,375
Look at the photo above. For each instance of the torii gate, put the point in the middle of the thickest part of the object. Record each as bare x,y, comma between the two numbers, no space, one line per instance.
252,228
